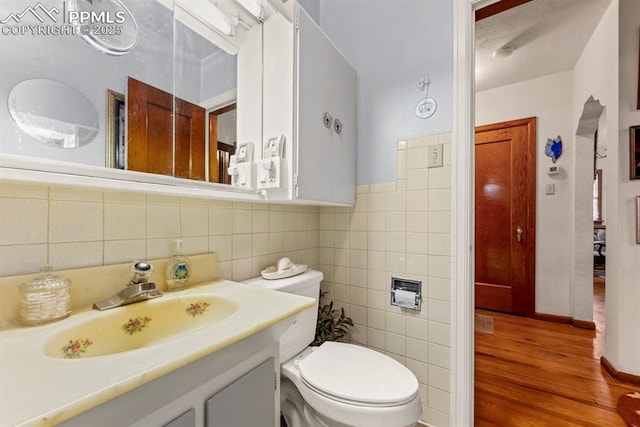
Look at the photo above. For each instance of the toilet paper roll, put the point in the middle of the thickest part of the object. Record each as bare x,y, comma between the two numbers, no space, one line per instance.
405,299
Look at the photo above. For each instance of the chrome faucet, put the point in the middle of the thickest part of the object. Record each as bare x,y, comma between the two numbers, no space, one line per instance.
138,289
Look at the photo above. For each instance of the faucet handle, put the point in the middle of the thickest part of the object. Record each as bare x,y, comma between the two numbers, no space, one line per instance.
140,272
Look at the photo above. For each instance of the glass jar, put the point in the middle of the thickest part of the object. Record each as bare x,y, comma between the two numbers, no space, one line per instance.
45,298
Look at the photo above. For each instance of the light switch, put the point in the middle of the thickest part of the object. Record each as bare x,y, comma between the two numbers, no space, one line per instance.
549,189
435,156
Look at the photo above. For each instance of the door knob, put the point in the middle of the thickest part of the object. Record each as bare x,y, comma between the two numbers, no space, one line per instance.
327,120
337,126
519,232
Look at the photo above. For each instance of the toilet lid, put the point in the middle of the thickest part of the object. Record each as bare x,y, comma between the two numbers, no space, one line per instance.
358,375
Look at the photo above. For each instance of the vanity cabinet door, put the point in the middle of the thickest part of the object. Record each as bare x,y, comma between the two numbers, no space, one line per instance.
188,419
249,401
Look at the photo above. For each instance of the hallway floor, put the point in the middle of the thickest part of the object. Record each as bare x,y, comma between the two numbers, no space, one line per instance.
538,373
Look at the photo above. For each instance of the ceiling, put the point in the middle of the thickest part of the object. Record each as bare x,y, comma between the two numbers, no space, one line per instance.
547,36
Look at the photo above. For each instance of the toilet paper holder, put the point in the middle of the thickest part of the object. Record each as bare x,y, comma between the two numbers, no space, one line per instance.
404,289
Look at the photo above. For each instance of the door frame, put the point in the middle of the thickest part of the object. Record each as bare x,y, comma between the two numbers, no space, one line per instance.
462,267
529,304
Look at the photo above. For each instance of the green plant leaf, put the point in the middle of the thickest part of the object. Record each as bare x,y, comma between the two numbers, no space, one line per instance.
332,324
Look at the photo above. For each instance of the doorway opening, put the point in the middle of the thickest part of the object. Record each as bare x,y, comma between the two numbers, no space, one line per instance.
222,142
564,213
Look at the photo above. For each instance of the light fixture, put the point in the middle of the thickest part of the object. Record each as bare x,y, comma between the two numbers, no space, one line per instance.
254,8
210,15
503,52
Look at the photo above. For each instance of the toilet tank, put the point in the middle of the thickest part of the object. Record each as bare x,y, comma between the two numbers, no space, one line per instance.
301,333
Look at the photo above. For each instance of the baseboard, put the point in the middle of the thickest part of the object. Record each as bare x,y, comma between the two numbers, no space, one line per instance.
582,324
620,376
553,318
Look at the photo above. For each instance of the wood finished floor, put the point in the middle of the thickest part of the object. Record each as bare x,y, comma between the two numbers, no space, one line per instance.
538,373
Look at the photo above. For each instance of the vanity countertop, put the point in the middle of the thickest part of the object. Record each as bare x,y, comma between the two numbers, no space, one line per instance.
40,390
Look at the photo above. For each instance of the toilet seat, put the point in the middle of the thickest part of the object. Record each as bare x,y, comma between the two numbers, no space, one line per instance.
357,375
349,411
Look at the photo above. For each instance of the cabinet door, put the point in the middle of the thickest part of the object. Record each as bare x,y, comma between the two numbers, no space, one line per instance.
188,419
249,401
326,84
343,106
315,55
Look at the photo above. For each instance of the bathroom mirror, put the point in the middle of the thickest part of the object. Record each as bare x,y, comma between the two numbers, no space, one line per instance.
35,106
61,54
164,45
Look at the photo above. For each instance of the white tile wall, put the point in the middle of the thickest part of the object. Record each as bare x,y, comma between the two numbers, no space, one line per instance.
72,228
405,228
395,229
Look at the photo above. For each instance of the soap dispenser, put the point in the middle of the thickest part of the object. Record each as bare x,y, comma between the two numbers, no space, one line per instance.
179,270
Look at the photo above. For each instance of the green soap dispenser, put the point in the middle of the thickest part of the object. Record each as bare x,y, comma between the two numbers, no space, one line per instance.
179,270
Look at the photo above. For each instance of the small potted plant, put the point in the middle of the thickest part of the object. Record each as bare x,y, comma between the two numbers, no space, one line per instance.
332,324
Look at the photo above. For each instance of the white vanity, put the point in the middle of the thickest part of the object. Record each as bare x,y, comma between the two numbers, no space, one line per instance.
221,370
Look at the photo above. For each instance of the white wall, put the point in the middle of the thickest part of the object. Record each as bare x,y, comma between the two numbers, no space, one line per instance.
219,74
595,75
549,99
392,44
312,7
624,352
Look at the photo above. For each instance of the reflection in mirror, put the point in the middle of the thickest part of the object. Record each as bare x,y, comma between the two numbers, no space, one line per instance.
222,142
117,39
66,58
116,136
167,47
202,72
35,106
204,75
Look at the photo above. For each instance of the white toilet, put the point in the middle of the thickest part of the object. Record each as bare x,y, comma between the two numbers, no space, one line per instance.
337,384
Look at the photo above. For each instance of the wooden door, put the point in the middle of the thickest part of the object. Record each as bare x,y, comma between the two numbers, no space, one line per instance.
505,187
190,157
150,140
149,128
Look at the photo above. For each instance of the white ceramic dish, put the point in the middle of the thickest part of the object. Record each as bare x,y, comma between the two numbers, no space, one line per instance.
300,268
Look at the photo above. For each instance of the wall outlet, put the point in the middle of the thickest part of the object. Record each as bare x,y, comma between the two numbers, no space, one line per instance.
435,156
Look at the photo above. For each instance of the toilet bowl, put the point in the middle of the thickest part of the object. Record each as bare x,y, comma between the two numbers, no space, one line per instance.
338,384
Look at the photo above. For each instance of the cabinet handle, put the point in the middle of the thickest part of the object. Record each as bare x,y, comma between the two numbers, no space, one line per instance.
327,120
519,232
337,126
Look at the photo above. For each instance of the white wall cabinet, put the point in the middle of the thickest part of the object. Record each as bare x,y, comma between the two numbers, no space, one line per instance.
305,80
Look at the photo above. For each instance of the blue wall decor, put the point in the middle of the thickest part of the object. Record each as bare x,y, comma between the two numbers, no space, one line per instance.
553,148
